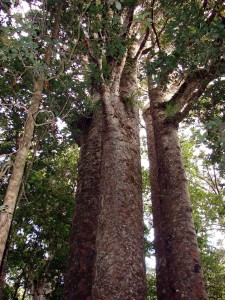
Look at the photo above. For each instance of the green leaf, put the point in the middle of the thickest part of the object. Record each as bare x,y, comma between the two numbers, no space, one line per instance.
118,5
2,207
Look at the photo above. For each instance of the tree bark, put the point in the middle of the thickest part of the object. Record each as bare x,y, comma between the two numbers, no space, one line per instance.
21,155
3,268
178,268
80,270
120,266
18,168
155,192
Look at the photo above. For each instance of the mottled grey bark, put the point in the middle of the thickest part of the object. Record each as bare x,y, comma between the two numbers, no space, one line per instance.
178,267
120,267
80,270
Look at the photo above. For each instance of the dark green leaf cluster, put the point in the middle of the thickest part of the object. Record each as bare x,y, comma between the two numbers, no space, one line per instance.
207,195
42,223
189,41
210,110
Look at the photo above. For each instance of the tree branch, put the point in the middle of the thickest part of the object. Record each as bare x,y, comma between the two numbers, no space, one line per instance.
193,98
128,22
153,25
143,43
192,88
191,83
5,168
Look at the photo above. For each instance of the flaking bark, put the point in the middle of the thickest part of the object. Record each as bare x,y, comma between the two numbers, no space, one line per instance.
120,266
178,267
155,198
80,269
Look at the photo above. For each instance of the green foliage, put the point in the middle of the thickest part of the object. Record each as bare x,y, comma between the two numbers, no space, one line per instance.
189,41
21,48
2,208
207,197
130,100
171,110
151,286
8,292
39,243
42,222
116,47
143,18
213,263
210,111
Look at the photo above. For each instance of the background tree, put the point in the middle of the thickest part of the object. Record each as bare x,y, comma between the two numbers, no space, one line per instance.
38,248
23,59
24,144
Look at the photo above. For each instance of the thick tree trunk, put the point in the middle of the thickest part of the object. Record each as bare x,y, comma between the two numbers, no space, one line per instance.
80,270
178,269
120,267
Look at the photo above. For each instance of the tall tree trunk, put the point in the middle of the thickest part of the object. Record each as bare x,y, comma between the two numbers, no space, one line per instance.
120,266
18,167
3,268
21,156
80,269
21,192
178,269
155,192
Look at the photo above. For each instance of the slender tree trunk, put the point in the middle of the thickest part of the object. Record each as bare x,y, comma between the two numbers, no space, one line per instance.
3,268
18,167
120,267
178,269
20,195
21,156
80,270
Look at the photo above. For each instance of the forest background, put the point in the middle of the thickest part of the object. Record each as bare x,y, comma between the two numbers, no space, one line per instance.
173,41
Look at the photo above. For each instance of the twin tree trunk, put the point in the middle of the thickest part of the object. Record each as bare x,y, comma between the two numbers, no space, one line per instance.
178,269
106,259
107,247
